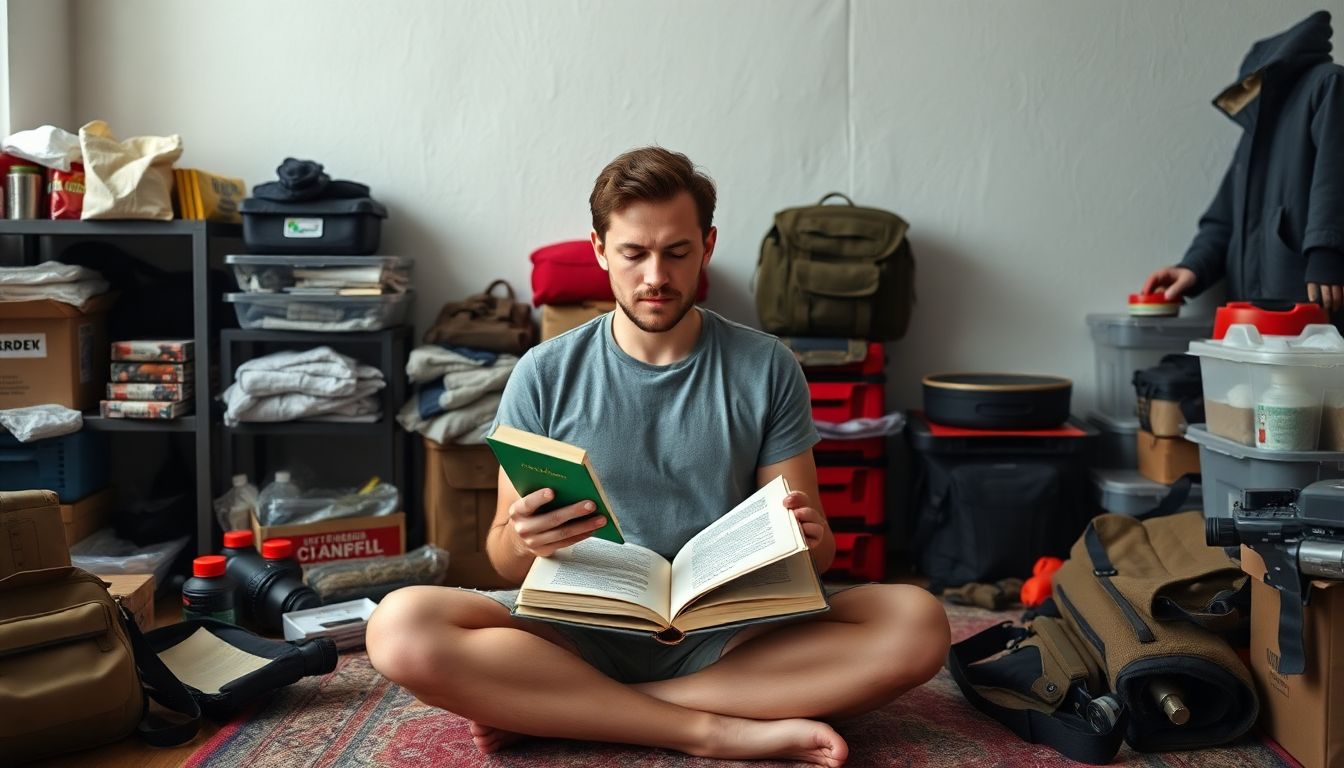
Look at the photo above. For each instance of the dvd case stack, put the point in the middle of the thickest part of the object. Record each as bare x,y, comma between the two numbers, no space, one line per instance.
150,379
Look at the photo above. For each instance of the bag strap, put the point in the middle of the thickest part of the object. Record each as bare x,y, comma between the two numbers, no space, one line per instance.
164,687
1174,500
502,305
840,195
1091,746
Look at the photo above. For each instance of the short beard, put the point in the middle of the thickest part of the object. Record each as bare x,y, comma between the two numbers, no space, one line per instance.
687,303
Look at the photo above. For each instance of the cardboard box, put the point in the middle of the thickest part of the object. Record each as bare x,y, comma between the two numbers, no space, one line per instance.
1164,417
32,535
87,515
347,538
1165,459
1300,712
461,488
558,318
51,352
136,591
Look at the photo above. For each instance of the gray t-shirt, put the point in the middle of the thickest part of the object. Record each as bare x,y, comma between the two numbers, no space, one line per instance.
676,446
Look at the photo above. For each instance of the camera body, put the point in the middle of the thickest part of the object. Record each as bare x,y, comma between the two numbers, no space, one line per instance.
1305,526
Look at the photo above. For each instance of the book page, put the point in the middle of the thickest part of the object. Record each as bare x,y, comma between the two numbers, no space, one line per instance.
598,567
755,533
207,663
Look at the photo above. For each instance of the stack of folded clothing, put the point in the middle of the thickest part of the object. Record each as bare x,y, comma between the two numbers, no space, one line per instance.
312,384
66,283
458,394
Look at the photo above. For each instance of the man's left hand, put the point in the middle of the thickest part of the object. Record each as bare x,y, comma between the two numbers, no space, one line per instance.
809,520
1331,297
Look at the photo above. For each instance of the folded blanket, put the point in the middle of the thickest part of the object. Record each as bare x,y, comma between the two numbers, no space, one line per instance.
465,425
288,406
431,361
462,387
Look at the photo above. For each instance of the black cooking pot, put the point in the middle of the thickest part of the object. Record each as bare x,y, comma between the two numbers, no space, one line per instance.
997,400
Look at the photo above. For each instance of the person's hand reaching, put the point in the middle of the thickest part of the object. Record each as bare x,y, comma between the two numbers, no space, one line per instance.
1172,281
1331,297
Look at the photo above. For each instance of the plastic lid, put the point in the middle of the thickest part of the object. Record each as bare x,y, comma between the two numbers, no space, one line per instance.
1319,346
282,476
207,566
238,539
239,481
1152,298
24,169
277,549
1274,318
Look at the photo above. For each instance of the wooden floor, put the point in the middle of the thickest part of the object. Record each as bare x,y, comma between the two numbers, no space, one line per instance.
131,752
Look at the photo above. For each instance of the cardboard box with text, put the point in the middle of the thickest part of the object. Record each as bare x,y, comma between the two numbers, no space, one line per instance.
51,352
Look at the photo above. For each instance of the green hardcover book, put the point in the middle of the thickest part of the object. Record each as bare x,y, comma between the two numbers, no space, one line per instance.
533,462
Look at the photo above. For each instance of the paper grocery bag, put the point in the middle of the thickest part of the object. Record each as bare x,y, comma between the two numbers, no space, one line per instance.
129,179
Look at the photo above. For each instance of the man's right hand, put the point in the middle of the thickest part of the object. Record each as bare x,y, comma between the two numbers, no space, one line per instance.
1173,281
542,534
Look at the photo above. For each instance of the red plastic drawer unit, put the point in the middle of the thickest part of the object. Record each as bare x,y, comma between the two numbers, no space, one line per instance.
841,451
853,493
859,556
838,401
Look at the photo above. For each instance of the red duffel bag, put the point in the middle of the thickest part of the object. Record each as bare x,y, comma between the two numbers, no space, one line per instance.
568,273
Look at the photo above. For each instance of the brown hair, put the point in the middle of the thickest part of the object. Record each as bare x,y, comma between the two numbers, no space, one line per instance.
651,174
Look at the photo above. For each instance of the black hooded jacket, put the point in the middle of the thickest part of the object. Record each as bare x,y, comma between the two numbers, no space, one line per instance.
1277,222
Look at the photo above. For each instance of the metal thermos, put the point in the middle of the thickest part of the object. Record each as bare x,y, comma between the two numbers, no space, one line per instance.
23,192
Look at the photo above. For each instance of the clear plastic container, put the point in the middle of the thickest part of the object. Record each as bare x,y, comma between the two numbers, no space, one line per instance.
281,311
1228,468
298,274
1123,344
1269,391
103,552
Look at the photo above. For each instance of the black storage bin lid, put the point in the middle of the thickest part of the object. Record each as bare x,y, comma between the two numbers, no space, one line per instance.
1175,377
1011,443
355,206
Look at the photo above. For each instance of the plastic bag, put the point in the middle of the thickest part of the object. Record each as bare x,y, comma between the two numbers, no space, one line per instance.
235,507
46,145
320,504
129,179
41,421
374,577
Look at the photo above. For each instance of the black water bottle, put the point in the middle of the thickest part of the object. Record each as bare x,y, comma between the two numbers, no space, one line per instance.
280,588
243,564
209,593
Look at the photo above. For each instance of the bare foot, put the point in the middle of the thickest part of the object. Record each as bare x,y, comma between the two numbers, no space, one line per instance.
491,739
808,741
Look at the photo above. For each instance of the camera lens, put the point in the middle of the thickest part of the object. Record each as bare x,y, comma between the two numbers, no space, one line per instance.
1221,532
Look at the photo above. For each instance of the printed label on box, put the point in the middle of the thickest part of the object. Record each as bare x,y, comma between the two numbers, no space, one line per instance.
303,228
23,345
345,545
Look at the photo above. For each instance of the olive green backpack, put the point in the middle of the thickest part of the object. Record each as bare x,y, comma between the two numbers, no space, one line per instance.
836,270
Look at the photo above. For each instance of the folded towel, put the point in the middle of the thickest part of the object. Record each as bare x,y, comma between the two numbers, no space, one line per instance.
431,361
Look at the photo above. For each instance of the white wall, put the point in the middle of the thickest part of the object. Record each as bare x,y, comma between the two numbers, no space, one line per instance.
1048,154
38,62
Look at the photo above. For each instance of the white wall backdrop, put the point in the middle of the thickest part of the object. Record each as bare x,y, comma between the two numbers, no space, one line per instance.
1047,154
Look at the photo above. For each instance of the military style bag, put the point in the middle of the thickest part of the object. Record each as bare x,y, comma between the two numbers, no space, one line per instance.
1130,646
74,670
485,321
836,270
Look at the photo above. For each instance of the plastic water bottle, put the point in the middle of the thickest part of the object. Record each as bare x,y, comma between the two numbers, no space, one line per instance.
267,508
234,509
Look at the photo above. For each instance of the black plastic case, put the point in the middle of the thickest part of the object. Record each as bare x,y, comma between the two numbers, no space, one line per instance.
326,227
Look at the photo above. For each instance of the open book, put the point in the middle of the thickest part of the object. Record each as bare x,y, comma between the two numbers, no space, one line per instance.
750,565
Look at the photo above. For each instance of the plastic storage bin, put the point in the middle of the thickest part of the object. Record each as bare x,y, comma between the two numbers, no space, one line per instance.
1275,392
1117,441
1123,344
72,465
1228,468
1126,492
853,494
273,311
348,226
289,273
839,401
859,556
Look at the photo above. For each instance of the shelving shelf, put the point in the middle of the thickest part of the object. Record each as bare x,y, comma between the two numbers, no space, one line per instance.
200,238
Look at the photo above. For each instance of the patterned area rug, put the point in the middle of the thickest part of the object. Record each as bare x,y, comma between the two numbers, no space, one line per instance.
353,718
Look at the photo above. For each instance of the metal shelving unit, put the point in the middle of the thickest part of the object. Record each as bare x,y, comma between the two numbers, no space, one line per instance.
203,240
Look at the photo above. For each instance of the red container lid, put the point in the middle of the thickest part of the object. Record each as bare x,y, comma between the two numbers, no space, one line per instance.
1271,318
277,549
238,539
207,566
1160,297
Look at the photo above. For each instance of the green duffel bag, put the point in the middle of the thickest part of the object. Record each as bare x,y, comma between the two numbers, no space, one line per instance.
836,270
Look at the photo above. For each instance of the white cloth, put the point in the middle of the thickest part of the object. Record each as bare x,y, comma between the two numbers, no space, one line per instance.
860,429
464,387
320,371
66,283
45,145
464,426
38,421
289,406
430,361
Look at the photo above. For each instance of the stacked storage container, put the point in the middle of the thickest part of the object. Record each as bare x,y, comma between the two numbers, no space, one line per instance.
1123,345
851,474
1275,409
